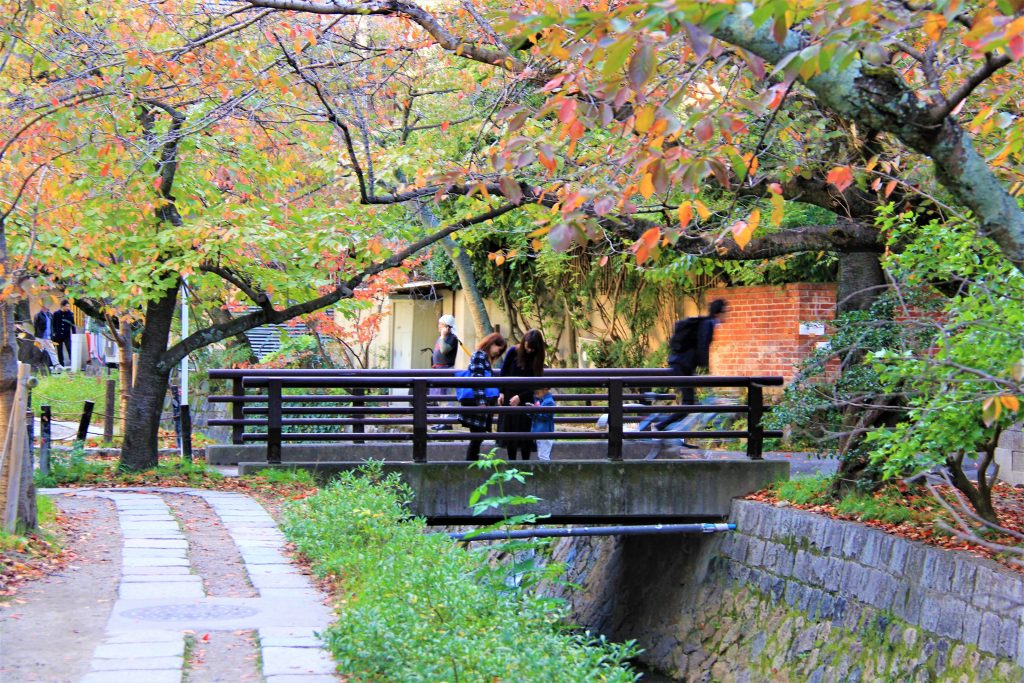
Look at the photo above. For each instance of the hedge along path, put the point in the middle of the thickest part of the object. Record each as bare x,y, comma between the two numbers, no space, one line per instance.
197,584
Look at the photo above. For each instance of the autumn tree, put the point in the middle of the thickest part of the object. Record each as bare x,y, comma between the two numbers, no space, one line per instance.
688,127
185,158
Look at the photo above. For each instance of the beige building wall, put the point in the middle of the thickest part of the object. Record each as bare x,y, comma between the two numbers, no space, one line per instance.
412,326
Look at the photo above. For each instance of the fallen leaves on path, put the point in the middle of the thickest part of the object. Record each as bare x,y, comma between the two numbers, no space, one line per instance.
33,556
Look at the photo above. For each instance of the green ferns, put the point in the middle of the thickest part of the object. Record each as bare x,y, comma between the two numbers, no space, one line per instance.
415,606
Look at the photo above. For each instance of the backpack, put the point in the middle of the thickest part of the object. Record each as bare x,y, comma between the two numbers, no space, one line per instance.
469,393
684,335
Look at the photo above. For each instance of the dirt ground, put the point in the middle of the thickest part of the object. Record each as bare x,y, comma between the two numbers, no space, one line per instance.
49,630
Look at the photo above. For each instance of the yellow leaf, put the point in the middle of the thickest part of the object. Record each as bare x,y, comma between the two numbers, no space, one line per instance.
741,233
499,259
778,208
934,24
646,186
540,232
1010,403
754,219
702,210
644,119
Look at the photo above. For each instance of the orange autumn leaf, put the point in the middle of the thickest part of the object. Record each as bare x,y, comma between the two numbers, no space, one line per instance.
646,186
685,214
841,177
933,26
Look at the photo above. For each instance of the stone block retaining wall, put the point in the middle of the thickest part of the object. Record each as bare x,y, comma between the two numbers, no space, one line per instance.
797,596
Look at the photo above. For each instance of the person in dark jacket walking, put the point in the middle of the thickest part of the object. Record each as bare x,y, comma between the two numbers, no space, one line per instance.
487,352
526,359
43,324
63,328
690,345
689,352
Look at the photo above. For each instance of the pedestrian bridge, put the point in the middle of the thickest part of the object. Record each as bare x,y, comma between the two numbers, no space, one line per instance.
598,474
578,491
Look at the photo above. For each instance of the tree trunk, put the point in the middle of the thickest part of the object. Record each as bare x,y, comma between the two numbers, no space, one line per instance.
142,419
481,320
126,370
861,281
463,267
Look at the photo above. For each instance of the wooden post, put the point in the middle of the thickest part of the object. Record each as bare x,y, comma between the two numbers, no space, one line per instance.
359,428
83,424
13,454
419,420
615,419
108,413
755,431
237,391
45,418
274,422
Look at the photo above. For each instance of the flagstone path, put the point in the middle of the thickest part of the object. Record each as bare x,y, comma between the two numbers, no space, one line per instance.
196,581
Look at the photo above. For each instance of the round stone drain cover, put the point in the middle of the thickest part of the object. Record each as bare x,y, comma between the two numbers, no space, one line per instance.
189,612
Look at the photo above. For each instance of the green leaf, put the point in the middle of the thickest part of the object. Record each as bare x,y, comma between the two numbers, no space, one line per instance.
616,56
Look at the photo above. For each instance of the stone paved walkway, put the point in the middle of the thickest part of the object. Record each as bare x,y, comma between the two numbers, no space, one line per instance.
160,597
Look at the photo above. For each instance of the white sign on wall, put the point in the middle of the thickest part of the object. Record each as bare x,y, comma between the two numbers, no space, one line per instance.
812,329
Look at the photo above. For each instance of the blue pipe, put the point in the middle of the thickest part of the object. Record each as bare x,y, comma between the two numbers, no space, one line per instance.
641,529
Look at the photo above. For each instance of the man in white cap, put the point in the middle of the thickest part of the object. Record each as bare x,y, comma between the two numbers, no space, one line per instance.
445,349
447,344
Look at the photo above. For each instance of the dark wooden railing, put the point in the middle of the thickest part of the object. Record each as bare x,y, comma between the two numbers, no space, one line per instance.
278,401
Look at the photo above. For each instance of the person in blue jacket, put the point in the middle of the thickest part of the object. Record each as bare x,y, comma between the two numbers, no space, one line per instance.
488,351
544,422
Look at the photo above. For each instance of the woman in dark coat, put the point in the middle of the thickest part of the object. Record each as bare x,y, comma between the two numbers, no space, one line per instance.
526,359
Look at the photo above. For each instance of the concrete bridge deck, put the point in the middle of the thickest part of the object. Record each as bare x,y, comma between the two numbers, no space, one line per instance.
398,451
578,491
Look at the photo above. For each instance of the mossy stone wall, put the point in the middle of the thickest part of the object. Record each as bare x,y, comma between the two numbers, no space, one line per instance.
794,596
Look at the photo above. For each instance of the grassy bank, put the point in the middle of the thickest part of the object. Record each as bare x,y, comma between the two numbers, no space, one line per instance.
416,606
66,394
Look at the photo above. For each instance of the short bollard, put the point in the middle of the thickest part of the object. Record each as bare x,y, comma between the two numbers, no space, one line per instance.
30,433
108,412
83,424
186,432
44,440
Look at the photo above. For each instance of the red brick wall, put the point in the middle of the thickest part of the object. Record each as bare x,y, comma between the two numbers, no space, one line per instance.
759,334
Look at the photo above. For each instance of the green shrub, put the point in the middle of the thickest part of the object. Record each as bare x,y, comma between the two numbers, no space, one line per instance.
417,606
72,468
807,490
75,468
288,476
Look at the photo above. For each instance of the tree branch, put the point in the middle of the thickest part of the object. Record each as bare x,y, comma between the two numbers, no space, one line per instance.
260,298
498,57
879,99
217,332
992,64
